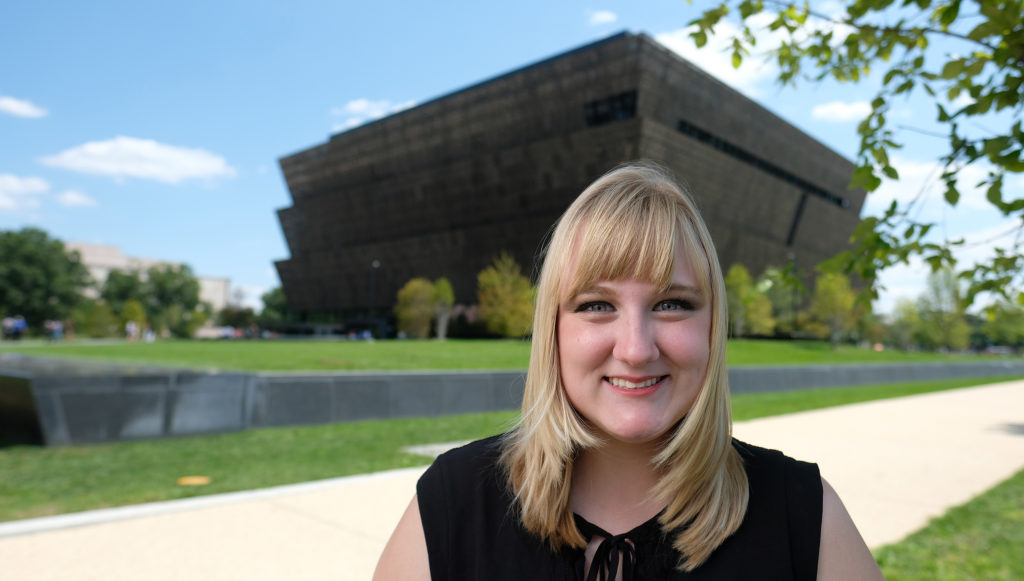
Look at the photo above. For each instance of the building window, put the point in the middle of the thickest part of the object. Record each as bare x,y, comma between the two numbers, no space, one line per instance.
614,108
740,154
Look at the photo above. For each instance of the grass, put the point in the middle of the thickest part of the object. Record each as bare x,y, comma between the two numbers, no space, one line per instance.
417,355
980,540
749,406
39,481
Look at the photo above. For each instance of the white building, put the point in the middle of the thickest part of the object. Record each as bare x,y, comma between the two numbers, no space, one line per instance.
100,260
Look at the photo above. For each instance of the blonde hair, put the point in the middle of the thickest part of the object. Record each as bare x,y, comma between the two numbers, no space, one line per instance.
629,224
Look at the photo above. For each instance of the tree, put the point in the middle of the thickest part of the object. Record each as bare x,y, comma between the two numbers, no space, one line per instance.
833,304
39,280
415,308
172,298
444,298
783,289
941,309
275,308
133,311
903,329
750,309
505,297
1004,324
236,316
976,84
94,319
738,285
759,313
121,287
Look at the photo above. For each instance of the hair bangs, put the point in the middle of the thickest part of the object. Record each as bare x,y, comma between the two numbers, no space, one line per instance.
638,241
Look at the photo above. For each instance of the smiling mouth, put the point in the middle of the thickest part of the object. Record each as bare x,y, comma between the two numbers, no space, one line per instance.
626,384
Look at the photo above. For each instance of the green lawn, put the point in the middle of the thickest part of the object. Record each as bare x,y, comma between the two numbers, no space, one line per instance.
980,540
38,481
413,355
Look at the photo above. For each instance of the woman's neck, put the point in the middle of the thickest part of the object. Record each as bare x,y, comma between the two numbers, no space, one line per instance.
612,486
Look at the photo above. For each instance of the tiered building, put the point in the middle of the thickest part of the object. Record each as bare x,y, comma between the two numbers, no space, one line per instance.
444,187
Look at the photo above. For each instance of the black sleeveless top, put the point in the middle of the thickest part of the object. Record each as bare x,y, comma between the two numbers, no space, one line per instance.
472,531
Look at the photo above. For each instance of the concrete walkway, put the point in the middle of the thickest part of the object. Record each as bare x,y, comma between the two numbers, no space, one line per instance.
896,464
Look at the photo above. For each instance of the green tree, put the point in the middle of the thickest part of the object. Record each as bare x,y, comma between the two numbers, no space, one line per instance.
133,311
738,286
415,308
784,290
904,324
172,299
94,319
759,313
941,308
506,298
236,316
39,280
444,298
181,323
833,304
750,309
1004,324
121,287
275,308
968,58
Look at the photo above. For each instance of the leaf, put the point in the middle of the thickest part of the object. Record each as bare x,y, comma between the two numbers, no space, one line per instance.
952,69
737,59
890,172
952,195
947,14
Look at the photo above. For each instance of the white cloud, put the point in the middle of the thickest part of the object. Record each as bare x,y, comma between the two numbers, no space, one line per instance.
838,111
248,295
18,193
359,111
922,180
124,157
602,17
20,108
75,199
715,57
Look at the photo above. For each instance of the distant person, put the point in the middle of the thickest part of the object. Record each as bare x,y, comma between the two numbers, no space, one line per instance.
19,327
622,465
131,330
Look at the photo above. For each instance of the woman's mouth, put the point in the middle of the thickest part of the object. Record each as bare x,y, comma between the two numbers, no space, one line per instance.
627,384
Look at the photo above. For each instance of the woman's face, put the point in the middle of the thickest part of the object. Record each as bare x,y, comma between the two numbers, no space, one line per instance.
633,359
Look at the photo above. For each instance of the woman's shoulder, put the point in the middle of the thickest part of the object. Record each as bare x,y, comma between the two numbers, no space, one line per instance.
766,461
472,455
464,469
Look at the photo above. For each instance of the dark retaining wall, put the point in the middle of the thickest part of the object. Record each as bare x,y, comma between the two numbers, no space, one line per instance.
63,403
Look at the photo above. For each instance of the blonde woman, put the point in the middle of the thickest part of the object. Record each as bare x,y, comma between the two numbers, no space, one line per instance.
623,465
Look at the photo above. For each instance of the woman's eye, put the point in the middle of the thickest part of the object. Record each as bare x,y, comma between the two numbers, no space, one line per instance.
594,307
674,305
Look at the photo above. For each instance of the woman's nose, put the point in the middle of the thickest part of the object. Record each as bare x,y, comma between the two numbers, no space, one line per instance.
635,342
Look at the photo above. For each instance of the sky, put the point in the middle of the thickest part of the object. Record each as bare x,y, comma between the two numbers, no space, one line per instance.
157,127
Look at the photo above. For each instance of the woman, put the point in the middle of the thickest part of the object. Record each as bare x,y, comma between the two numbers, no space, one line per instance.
623,465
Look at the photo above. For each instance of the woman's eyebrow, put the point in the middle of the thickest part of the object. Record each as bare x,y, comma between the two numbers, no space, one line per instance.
593,290
681,287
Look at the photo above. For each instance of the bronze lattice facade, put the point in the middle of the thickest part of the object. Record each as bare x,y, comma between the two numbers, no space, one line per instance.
443,188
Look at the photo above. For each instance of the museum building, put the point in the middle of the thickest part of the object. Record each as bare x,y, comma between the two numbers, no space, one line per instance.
443,188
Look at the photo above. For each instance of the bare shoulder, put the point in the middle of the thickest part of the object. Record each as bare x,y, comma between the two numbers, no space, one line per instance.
842,554
405,556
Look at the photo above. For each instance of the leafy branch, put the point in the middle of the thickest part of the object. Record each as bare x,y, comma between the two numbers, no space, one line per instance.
984,82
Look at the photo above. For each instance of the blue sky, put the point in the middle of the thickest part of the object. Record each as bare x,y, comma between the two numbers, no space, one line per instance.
157,127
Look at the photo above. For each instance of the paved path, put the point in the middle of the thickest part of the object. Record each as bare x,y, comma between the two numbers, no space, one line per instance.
896,463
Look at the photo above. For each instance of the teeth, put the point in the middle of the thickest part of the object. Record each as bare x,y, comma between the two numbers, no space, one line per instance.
624,384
